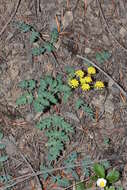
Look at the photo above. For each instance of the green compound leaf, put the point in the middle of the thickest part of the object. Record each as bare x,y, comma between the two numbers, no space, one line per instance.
34,36
67,127
27,84
1,135
64,88
49,47
71,159
56,120
43,84
42,100
80,186
21,100
3,158
56,133
24,27
63,182
44,94
29,98
38,51
79,103
38,107
66,96
99,170
88,110
110,188
75,175
52,99
103,56
49,80
54,36
106,164
86,163
23,84
44,124
5,178
31,84
70,163
2,146
45,171
70,71
120,188
113,176
55,147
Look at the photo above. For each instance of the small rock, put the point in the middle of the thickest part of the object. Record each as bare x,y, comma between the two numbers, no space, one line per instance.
109,106
29,117
10,35
98,102
10,148
106,40
123,32
67,19
71,116
87,50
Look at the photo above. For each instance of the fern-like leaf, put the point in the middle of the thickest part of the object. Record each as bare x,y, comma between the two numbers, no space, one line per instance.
24,27
45,171
63,182
86,163
3,158
34,36
49,47
54,36
44,124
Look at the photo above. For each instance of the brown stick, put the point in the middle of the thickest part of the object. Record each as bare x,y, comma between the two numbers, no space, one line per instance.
12,16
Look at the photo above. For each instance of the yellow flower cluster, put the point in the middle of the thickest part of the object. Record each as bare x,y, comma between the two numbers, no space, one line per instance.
99,84
79,73
73,83
91,70
85,81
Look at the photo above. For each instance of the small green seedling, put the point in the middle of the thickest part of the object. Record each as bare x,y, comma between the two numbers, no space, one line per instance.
106,179
80,104
47,46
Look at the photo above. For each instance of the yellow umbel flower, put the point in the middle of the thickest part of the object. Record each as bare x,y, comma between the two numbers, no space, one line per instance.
85,87
79,73
86,79
91,70
73,83
99,84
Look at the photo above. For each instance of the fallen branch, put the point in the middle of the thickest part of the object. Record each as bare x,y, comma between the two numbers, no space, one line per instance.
12,16
108,28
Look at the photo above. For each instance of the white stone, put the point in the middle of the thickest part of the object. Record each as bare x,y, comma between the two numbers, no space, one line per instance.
87,50
123,32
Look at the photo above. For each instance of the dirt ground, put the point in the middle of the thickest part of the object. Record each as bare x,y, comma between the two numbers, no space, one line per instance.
87,27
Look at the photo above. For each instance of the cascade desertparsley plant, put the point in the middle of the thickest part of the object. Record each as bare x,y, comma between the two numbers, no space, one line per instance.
85,82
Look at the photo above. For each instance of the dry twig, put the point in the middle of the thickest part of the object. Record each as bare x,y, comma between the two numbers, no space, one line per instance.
20,179
11,17
108,28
